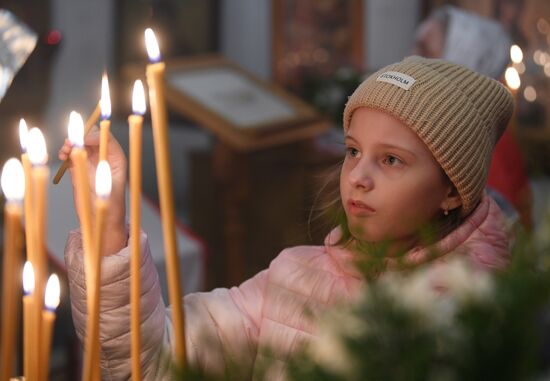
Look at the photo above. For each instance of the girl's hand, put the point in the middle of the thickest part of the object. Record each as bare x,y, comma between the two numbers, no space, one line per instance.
115,236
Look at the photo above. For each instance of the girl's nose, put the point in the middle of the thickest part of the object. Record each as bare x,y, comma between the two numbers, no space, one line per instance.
361,177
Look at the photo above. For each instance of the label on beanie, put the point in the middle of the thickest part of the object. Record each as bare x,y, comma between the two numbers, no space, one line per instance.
398,79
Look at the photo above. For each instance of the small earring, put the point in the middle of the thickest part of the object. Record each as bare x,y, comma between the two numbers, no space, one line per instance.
446,211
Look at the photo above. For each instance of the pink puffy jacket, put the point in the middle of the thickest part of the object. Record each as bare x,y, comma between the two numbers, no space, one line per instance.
275,309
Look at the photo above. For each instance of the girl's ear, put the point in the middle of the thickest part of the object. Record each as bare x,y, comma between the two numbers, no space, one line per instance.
452,200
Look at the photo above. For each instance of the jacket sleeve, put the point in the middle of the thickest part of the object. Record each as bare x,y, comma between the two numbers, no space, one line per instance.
115,310
221,326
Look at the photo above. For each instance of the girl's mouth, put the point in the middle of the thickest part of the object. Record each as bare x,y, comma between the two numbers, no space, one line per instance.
359,208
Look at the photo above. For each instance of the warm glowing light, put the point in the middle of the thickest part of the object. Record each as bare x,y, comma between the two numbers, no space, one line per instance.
76,129
152,45
516,54
23,134
13,180
542,25
28,278
512,78
520,67
36,147
541,58
103,181
105,101
530,94
537,57
138,98
53,289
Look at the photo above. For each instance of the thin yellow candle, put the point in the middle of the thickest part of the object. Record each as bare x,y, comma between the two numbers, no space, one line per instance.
51,301
29,236
38,156
92,120
13,186
103,191
155,80
30,356
28,304
135,122
82,190
105,124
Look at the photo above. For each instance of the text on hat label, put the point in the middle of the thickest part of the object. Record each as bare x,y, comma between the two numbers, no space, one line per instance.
398,79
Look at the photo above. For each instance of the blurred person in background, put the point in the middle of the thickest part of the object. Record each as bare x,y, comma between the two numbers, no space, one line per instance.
483,45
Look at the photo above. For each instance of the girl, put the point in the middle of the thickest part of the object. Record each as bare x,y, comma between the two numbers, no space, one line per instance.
419,136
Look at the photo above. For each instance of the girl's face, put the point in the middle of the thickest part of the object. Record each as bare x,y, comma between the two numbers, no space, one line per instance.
390,184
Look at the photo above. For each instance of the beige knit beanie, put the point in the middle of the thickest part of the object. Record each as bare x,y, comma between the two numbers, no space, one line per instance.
458,113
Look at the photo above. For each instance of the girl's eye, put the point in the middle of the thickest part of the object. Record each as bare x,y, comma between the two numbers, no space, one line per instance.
392,161
352,152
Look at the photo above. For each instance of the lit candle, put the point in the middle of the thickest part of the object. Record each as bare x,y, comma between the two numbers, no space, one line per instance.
135,122
38,156
30,246
513,82
13,186
82,190
105,124
155,80
516,54
103,185
23,135
512,79
28,335
29,235
92,120
51,301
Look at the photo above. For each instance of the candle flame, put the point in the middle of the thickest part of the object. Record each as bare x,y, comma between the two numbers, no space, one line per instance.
516,54
53,289
152,45
36,147
13,180
23,134
543,59
28,278
530,94
542,26
105,101
138,98
76,129
512,78
103,181
537,56
520,67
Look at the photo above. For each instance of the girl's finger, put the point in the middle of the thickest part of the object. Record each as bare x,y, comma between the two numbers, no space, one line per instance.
92,138
64,152
67,147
